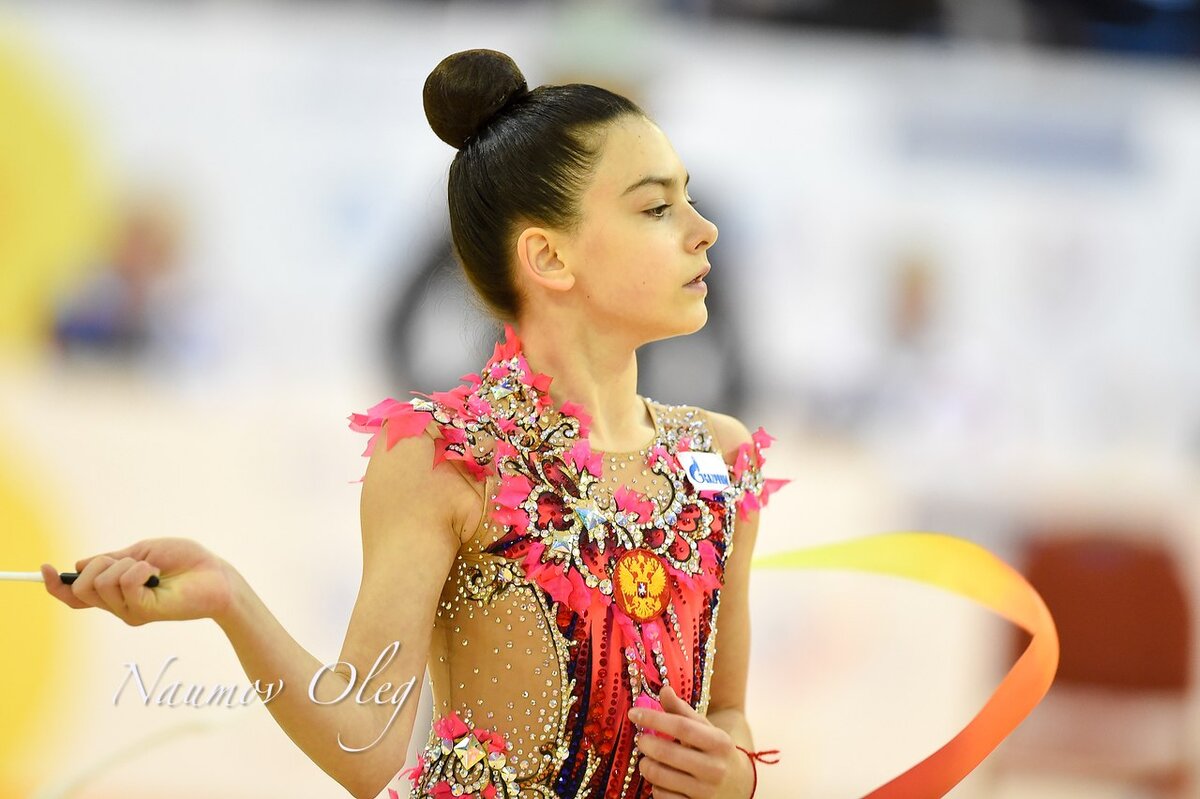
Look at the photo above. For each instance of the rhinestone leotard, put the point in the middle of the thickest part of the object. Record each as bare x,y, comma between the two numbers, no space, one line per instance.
592,578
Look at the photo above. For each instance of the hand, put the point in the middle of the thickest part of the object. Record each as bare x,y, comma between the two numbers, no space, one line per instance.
702,763
193,582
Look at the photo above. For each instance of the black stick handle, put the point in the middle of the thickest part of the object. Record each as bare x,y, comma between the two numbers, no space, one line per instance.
70,577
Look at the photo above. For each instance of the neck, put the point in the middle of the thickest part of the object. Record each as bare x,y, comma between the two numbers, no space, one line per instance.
596,371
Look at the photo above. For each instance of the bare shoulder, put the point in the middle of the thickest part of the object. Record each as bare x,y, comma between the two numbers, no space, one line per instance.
402,486
730,433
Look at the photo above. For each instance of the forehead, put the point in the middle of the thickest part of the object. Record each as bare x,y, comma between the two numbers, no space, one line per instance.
633,149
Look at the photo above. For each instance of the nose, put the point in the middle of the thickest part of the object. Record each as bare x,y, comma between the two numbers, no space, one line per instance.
708,233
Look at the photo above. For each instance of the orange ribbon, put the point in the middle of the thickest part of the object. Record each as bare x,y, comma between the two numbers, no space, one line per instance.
973,572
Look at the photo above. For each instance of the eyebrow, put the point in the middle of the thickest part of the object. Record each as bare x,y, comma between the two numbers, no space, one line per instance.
649,179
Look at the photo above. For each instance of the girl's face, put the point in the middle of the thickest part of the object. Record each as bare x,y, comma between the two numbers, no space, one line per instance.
641,242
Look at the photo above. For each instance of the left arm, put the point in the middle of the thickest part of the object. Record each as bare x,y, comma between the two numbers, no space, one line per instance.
727,694
731,667
718,770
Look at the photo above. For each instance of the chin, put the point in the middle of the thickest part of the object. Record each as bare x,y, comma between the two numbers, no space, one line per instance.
692,321
659,325
701,319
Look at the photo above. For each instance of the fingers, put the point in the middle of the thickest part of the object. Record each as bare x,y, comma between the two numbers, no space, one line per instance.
108,586
58,589
136,550
133,586
84,586
673,703
668,781
114,585
695,763
698,733
703,766
662,793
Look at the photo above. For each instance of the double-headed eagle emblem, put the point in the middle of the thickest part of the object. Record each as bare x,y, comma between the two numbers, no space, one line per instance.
641,584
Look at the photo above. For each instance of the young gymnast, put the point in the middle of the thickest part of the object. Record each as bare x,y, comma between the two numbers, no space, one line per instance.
556,549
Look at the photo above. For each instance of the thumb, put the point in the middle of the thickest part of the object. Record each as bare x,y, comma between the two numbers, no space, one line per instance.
58,589
674,703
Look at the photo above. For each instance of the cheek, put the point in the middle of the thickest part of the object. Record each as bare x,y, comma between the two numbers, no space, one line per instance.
627,266
621,263
635,281
622,286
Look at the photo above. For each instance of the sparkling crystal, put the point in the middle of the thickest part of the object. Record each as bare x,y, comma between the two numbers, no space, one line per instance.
588,515
469,750
561,540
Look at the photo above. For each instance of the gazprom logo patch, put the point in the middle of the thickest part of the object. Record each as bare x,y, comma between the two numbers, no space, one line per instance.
707,471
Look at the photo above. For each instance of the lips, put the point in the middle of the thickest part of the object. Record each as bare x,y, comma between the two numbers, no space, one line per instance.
700,276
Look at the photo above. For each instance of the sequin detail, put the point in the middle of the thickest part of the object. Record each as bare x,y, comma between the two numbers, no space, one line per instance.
470,762
593,579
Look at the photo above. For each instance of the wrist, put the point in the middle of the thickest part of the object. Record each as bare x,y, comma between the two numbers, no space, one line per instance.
760,757
742,777
231,611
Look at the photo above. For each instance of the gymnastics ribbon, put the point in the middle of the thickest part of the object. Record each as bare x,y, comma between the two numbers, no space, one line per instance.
973,572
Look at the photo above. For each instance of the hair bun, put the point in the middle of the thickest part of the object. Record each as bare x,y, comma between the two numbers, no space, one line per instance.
466,89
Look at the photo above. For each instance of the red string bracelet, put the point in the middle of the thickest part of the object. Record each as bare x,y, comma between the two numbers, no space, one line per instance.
758,756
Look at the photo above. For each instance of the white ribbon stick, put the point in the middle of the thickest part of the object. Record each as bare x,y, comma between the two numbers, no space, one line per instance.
33,577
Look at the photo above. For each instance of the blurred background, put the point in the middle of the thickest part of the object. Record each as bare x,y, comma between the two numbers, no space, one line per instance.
958,279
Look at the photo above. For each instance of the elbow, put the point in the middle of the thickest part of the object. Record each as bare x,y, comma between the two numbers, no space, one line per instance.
358,785
369,786
365,790
367,774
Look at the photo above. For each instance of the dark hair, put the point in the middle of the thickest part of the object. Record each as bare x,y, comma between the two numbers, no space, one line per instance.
523,157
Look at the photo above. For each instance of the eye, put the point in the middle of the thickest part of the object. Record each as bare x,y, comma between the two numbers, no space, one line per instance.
653,212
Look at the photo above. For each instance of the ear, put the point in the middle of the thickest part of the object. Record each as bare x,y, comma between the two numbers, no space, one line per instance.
539,259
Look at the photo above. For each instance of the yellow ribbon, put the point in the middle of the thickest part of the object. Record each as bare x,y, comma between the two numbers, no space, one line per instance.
973,572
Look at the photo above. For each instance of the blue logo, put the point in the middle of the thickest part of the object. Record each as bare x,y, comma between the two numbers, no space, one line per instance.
698,476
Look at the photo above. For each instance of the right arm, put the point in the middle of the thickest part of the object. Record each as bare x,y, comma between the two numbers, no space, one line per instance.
409,544
411,522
